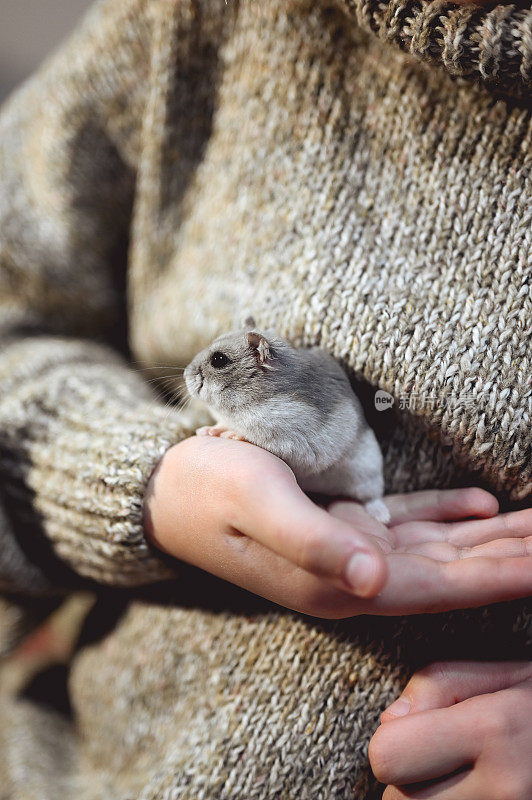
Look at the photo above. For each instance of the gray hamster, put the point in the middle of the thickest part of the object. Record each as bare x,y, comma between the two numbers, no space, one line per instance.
298,404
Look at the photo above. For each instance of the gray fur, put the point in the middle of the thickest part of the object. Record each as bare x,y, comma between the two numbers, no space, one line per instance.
298,404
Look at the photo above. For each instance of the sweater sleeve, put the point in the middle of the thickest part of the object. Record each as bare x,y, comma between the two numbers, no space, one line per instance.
80,431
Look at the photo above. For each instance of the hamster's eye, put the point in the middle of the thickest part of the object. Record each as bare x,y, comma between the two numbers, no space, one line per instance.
219,360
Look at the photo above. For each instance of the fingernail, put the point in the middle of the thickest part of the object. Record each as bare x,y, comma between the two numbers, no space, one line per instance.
360,573
399,708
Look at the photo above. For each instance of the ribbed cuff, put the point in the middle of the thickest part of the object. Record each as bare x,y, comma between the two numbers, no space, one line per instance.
491,44
79,441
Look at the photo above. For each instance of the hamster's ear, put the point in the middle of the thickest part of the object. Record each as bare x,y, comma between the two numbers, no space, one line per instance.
261,349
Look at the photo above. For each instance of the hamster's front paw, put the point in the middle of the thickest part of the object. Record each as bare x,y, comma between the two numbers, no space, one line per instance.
220,431
232,435
378,510
210,430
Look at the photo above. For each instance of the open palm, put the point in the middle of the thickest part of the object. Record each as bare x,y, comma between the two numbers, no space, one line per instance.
439,557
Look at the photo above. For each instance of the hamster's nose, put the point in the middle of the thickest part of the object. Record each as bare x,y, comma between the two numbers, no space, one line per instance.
193,379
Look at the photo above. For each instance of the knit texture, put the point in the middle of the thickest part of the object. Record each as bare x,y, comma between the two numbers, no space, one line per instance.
492,44
77,400
175,167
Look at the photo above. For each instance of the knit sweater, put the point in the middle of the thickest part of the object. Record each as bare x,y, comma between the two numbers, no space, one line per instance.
354,174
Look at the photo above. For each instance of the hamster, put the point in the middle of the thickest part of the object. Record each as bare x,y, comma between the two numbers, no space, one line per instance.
298,404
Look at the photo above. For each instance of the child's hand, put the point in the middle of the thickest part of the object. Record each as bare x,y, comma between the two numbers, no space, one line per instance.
467,717
236,511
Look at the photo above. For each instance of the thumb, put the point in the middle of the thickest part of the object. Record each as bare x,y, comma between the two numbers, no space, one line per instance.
444,684
273,510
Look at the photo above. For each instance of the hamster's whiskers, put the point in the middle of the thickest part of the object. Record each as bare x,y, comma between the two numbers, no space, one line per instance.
181,406
140,366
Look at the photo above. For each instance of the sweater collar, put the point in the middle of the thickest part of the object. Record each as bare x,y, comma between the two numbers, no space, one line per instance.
491,45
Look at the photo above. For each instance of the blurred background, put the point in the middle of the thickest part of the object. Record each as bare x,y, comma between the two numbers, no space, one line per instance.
29,30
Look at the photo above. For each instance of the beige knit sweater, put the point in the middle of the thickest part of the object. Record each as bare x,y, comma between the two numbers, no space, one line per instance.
177,165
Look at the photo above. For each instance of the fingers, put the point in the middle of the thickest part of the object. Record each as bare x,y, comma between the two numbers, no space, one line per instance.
443,551
440,505
417,584
355,514
467,538
446,683
276,513
502,548
514,524
424,746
